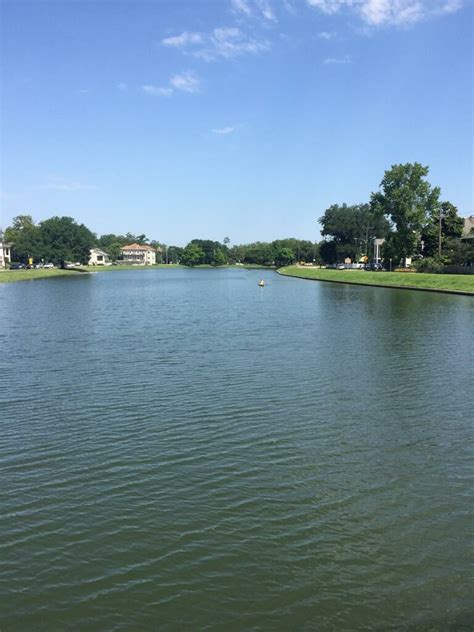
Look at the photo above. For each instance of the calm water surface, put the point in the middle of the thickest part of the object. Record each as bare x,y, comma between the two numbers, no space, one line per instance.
182,450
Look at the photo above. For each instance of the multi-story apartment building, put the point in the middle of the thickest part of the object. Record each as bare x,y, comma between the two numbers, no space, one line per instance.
139,254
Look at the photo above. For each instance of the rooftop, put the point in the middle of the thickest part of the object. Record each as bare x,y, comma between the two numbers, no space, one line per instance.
137,247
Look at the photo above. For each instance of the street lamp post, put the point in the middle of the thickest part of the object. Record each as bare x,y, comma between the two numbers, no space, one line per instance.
441,216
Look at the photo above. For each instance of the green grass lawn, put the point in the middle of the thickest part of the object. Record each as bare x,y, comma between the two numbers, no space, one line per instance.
441,282
9,276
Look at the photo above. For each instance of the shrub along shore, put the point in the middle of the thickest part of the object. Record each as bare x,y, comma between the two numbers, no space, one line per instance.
450,283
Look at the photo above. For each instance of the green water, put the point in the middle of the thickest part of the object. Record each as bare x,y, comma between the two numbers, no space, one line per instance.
183,450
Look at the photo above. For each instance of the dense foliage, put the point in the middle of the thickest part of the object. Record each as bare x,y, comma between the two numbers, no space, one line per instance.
407,213
55,240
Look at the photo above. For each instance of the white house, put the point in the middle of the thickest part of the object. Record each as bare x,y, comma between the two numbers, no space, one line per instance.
468,228
98,257
5,251
139,254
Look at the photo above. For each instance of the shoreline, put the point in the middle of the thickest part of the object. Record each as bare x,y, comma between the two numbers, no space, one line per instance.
14,276
318,274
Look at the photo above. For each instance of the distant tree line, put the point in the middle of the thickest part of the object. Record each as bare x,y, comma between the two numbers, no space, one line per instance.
407,212
61,239
276,253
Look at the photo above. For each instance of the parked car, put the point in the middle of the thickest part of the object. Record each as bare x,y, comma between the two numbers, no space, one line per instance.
48,265
17,266
374,267
341,266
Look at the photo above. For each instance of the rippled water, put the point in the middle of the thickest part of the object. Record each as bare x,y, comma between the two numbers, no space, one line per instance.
182,450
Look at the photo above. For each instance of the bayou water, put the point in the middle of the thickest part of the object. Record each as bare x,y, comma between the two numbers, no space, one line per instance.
183,450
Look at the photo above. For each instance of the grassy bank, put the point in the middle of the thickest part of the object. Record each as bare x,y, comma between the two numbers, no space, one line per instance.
417,281
125,267
10,276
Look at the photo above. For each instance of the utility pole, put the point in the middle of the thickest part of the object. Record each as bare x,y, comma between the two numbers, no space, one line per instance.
439,234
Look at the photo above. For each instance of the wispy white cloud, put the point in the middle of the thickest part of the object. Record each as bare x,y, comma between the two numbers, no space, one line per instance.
256,9
378,13
221,43
184,39
328,6
223,130
395,12
338,60
157,91
450,6
266,10
186,82
289,6
241,6
58,183
326,35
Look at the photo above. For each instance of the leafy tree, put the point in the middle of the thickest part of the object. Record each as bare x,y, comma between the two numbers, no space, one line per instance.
65,240
193,255
408,199
353,228
458,252
284,257
105,241
26,238
259,253
451,227
303,250
175,254
237,254
130,238
114,250
328,251
210,249
220,258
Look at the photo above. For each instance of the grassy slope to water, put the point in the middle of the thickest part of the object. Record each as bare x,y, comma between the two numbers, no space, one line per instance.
419,281
9,276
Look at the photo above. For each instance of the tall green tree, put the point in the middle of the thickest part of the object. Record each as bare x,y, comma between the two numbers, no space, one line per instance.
192,255
352,228
211,250
407,199
220,258
175,254
26,238
65,240
284,256
446,217
328,251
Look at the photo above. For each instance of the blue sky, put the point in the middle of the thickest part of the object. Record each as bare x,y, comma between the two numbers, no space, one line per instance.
238,118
